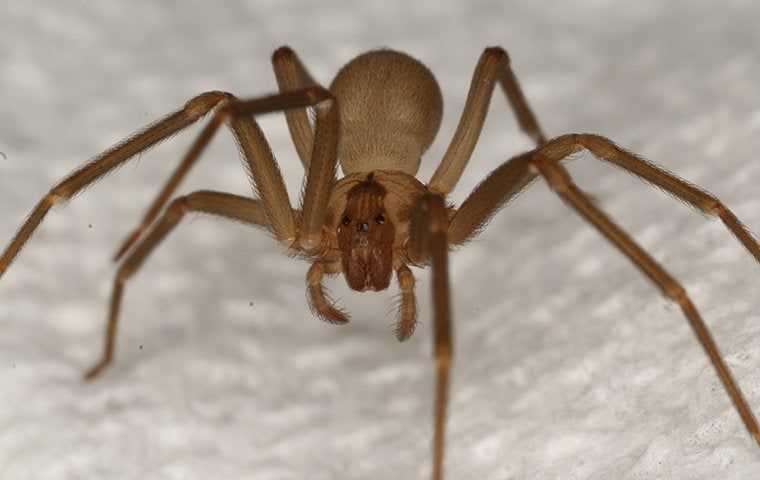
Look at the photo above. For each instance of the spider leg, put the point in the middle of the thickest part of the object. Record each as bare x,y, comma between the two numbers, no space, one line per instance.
493,66
278,215
560,181
192,155
264,172
193,110
322,166
429,240
226,205
493,193
605,149
292,75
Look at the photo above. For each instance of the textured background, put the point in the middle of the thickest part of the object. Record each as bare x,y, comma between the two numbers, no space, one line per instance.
569,364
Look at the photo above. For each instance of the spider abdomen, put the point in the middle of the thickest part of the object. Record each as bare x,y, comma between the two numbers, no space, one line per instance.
390,107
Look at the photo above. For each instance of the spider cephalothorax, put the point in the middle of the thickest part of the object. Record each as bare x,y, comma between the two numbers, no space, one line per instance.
379,115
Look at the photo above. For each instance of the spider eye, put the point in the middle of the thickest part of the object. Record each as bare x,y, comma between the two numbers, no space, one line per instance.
380,219
346,220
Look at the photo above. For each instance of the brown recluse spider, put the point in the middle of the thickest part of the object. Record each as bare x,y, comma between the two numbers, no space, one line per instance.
379,115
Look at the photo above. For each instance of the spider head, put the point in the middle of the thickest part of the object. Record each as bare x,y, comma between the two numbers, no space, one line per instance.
365,238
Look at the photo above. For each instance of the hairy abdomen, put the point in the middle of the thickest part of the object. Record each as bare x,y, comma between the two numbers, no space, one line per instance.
390,107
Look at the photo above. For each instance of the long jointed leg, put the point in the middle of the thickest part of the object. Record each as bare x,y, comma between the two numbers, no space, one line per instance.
230,206
265,175
107,161
493,193
561,183
273,210
324,157
492,67
292,75
171,185
605,149
429,239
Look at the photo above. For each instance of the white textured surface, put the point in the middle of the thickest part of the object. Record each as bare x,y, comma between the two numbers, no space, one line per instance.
569,365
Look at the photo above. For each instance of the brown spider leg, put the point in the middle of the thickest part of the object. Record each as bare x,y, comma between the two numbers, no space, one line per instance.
266,176
171,185
493,66
492,194
292,75
319,301
255,147
324,156
605,149
194,109
428,240
407,310
230,206
562,184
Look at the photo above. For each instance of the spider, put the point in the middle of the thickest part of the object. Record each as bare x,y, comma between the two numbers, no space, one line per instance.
377,118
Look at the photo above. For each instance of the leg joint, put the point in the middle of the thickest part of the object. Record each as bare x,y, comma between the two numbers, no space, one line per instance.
282,53
443,356
122,275
199,106
315,274
56,196
555,175
433,206
320,97
675,292
498,54
715,207
561,147
178,207
405,279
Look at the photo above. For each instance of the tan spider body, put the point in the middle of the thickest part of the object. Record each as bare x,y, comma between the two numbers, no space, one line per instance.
390,109
379,116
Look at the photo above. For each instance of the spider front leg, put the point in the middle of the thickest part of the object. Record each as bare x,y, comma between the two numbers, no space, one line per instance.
322,166
263,169
277,215
493,66
498,188
560,181
431,234
226,205
514,175
604,149
429,242
193,110
292,75
266,175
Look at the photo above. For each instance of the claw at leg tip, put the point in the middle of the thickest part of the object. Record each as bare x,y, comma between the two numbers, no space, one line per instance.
93,373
